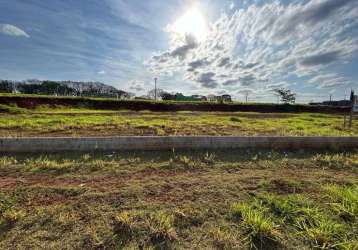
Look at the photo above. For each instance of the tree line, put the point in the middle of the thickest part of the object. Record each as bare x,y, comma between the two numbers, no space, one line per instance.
62,89
93,89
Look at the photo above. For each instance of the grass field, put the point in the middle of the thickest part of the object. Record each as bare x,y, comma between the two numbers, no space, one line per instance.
76,121
180,200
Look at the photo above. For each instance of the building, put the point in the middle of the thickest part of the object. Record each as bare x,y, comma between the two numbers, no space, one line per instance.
219,98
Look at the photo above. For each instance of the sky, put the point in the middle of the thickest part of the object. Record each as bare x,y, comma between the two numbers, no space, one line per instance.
237,47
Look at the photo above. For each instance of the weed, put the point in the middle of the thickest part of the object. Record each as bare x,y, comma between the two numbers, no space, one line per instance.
223,239
162,230
352,245
12,109
185,162
86,157
235,119
324,234
209,158
344,201
260,229
338,160
6,203
187,218
284,208
7,160
309,221
124,227
8,214
43,164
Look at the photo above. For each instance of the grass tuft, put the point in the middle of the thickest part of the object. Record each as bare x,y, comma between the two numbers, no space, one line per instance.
235,119
162,230
12,109
260,230
344,201
124,227
223,239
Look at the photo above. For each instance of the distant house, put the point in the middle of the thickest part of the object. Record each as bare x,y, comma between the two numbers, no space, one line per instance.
180,97
211,98
226,98
220,98
199,98
341,103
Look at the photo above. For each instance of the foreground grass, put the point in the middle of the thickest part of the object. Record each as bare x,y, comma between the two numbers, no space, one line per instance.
64,121
180,200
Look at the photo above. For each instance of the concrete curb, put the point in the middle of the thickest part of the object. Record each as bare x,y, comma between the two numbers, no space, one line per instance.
83,144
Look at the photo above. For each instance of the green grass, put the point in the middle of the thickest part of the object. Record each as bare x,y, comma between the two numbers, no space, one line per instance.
179,200
344,200
77,121
12,109
259,230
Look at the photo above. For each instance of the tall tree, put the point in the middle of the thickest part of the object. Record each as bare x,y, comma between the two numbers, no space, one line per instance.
286,95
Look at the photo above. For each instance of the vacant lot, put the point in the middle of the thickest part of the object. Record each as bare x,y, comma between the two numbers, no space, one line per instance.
64,121
180,200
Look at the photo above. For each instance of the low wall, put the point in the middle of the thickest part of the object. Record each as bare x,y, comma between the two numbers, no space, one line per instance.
43,145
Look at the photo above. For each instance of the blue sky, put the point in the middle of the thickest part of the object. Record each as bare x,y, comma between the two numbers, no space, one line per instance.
235,47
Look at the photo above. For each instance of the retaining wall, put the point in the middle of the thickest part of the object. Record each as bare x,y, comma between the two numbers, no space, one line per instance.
43,145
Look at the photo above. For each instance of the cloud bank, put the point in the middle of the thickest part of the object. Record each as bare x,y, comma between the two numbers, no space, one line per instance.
261,47
12,30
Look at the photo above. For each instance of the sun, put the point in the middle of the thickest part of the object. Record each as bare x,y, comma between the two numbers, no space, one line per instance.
192,22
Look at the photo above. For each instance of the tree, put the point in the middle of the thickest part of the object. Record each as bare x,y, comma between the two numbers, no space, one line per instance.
6,86
29,88
151,93
286,95
167,96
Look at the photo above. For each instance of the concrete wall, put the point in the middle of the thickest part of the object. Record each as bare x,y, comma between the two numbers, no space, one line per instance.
43,145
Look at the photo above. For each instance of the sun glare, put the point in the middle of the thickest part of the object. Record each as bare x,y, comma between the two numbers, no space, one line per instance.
192,22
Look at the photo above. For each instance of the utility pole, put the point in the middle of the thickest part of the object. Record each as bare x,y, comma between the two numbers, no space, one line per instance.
155,88
247,96
330,98
352,99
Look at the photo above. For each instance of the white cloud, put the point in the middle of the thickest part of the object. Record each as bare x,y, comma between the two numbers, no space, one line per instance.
261,46
101,72
12,30
232,5
136,85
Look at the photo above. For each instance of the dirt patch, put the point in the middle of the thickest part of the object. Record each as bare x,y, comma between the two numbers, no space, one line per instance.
8,182
284,186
